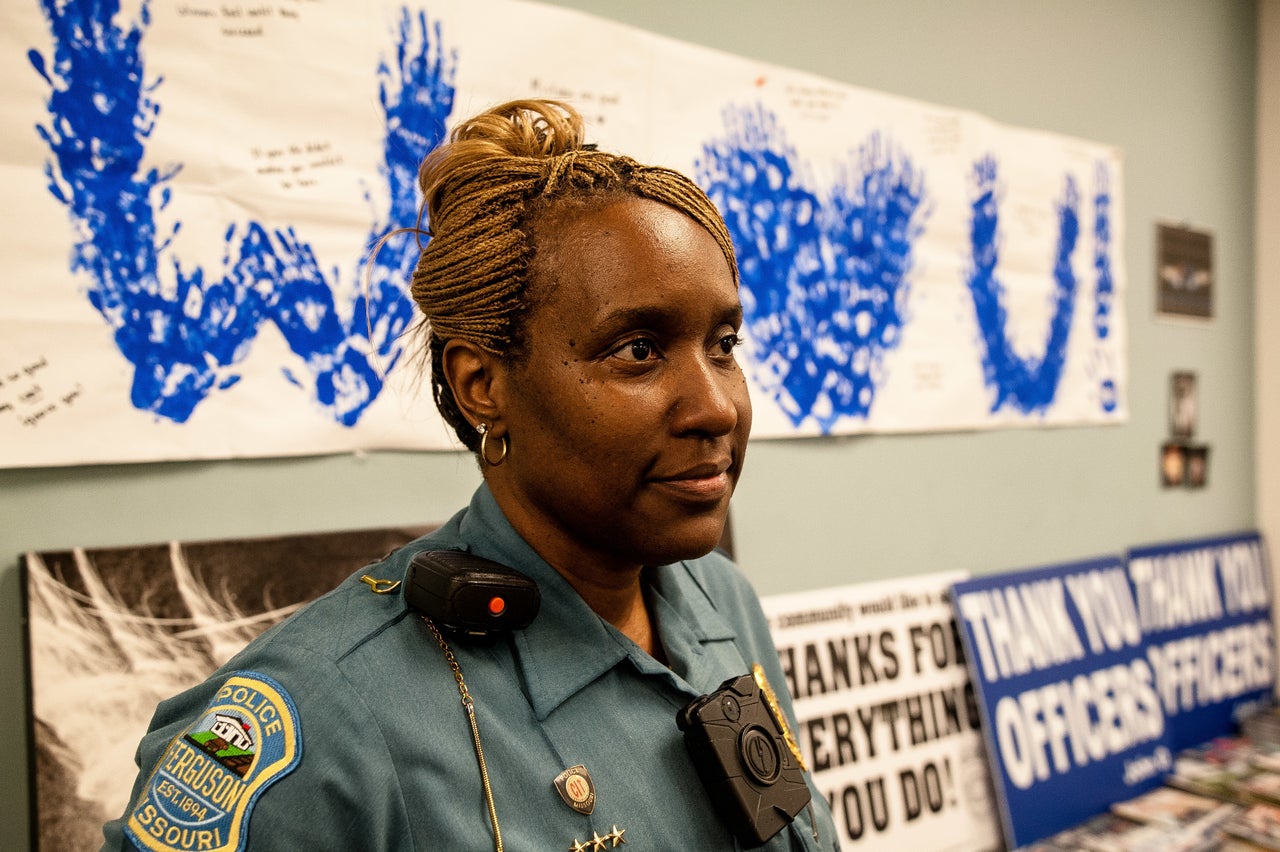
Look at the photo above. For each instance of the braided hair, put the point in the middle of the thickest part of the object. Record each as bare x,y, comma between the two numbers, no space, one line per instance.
484,192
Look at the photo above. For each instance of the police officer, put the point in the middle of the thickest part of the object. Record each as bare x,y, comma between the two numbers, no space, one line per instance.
581,314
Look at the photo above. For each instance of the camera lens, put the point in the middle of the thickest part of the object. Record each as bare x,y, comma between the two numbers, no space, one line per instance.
759,753
729,706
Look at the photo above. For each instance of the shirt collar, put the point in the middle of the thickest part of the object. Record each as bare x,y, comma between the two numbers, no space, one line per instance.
568,646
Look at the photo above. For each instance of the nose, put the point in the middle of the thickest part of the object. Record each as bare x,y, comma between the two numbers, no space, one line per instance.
709,398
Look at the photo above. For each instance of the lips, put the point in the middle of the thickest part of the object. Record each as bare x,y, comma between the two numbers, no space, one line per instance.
708,481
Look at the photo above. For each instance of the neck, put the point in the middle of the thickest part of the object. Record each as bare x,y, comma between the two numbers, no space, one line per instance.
612,590
619,600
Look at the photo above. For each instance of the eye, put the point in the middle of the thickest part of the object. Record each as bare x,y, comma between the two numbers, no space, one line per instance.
728,343
637,350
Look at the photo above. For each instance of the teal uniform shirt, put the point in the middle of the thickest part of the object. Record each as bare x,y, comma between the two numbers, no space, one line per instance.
362,741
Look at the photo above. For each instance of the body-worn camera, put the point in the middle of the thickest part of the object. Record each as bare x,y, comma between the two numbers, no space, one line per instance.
738,740
462,592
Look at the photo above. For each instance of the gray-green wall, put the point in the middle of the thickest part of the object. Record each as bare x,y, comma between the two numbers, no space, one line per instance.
1171,82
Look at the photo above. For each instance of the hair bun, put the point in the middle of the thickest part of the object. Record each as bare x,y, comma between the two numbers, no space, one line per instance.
525,128
516,138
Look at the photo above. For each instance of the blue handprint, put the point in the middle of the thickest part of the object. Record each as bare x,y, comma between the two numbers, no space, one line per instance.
1104,291
185,338
825,281
1027,384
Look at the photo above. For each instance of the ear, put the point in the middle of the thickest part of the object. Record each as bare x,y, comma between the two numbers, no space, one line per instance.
476,377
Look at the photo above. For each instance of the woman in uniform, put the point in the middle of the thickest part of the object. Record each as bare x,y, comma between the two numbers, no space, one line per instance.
581,314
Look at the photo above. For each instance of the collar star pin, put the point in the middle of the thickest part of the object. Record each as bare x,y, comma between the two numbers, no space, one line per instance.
597,843
577,789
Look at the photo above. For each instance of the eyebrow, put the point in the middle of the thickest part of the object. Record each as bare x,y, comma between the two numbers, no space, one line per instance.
657,316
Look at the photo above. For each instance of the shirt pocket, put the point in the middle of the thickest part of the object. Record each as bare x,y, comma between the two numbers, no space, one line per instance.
799,835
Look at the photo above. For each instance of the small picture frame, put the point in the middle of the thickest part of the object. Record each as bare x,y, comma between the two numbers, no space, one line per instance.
1184,407
1197,466
1184,271
1173,464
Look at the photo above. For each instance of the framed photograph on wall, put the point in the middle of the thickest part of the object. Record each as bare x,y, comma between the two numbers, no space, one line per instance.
1184,271
111,632
1184,407
1197,466
1173,464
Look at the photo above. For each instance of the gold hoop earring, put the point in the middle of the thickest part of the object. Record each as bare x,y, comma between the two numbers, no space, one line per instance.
483,429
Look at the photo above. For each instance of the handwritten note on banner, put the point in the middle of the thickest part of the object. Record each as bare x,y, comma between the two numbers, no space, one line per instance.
888,720
1093,674
189,265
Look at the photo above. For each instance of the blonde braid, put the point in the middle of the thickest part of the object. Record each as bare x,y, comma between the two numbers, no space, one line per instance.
483,193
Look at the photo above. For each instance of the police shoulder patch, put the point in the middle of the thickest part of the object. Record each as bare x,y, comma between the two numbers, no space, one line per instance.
201,793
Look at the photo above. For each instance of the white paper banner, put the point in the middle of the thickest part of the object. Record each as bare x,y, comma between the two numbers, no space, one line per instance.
193,188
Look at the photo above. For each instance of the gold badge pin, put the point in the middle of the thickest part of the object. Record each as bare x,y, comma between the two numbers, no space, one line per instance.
771,699
577,789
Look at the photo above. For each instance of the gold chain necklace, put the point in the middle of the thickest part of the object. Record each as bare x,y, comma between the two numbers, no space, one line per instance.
469,704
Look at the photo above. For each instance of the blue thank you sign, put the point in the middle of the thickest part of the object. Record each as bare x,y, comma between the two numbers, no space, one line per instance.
1204,607
1071,706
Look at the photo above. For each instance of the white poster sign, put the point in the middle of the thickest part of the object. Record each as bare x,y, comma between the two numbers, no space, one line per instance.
888,720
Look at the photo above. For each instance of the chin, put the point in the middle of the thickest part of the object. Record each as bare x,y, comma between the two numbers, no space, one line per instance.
691,542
